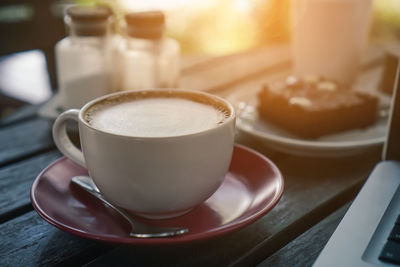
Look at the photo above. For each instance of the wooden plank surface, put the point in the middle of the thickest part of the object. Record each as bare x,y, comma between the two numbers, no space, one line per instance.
25,113
304,250
230,70
25,139
30,241
19,177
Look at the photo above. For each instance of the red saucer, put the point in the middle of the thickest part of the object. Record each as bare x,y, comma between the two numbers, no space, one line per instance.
252,187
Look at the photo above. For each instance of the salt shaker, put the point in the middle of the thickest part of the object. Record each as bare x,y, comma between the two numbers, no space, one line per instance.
146,57
83,58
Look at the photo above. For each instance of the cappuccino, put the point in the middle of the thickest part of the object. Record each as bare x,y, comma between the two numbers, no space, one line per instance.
156,115
157,153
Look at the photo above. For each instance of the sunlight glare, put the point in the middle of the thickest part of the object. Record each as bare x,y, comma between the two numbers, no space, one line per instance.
242,5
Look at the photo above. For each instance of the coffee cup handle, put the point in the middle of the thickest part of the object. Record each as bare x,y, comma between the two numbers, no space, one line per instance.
61,139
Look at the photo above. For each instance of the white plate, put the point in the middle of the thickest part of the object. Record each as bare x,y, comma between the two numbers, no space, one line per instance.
340,144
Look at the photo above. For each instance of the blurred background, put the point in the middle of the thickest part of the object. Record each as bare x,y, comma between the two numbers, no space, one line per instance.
29,30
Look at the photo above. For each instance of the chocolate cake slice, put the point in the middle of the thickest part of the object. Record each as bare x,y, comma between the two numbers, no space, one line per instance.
313,107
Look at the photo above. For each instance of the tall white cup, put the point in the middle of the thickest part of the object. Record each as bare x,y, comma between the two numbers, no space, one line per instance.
329,37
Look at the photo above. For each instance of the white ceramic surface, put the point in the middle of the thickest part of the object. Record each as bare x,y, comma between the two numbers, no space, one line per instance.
149,175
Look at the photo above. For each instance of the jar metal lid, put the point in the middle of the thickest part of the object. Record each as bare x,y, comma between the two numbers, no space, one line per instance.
145,19
88,14
147,24
88,21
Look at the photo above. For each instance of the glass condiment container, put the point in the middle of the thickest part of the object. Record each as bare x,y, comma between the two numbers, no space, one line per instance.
146,57
84,57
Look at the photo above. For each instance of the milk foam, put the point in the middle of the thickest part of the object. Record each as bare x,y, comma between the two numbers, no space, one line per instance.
155,117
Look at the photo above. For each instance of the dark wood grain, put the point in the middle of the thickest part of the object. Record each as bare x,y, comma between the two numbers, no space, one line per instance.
304,250
30,241
230,70
22,114
24,139
19,177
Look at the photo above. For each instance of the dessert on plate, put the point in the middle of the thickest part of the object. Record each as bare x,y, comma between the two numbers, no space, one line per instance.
313,106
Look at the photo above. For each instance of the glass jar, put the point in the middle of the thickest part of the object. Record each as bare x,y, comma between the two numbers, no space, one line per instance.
83,58
146,57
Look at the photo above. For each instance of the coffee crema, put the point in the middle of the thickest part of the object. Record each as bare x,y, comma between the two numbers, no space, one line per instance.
156,115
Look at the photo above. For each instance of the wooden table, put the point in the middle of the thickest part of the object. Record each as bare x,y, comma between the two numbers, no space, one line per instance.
317,190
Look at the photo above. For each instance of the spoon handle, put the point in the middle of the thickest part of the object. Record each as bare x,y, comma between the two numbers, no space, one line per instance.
87,183
138,230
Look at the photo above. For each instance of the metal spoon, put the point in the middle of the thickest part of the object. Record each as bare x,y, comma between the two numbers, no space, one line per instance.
138,230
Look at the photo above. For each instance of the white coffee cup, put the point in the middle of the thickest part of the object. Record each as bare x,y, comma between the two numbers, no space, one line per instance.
150,171
329,37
